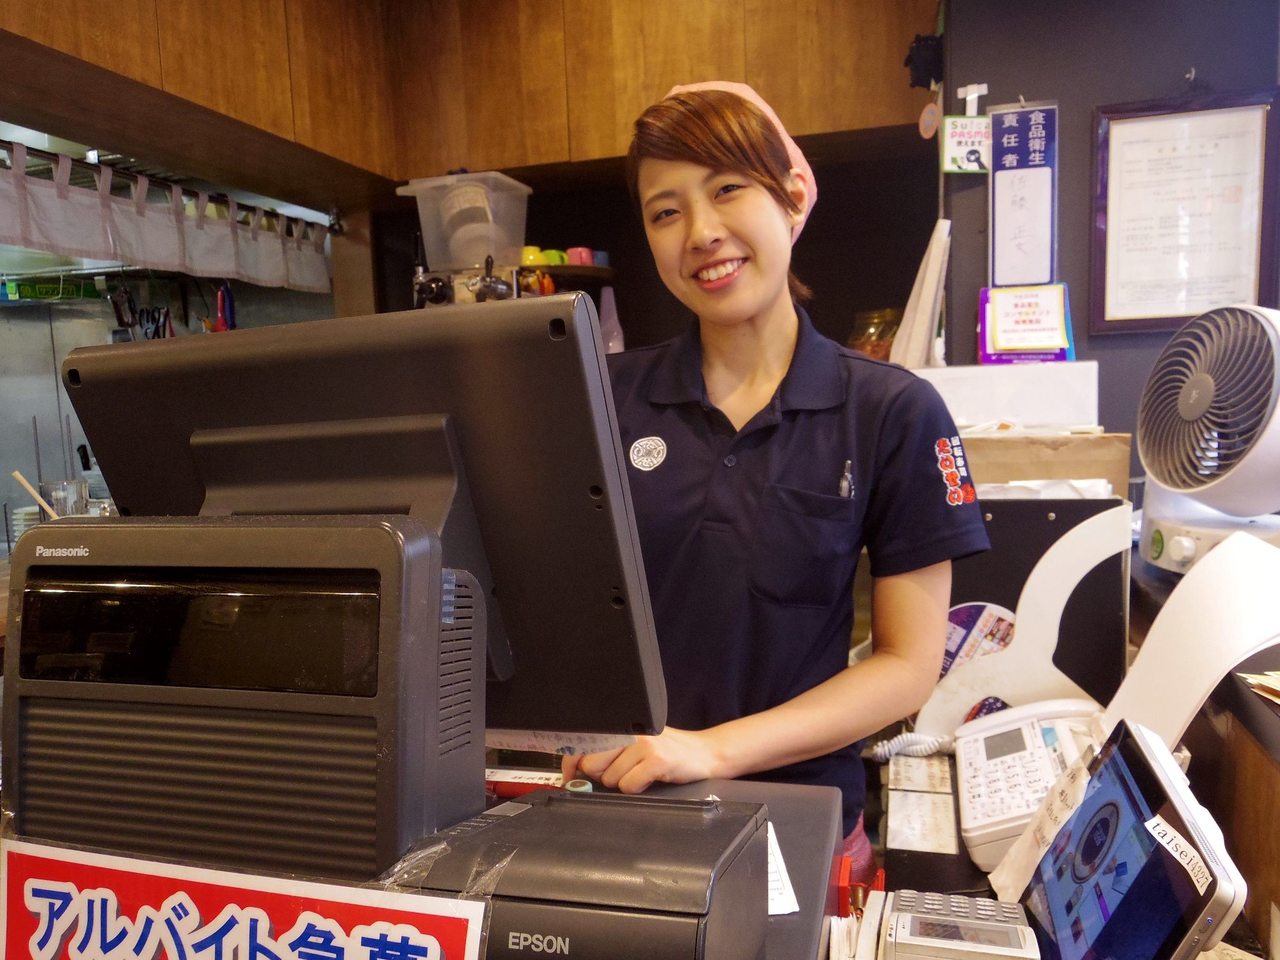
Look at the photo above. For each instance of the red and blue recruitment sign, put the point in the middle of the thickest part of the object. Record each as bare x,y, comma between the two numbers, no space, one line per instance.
64,903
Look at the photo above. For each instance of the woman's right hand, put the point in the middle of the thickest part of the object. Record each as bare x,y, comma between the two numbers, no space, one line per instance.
673,756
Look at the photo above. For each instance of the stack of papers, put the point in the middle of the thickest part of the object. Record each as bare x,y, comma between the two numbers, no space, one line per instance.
1266,685
921,805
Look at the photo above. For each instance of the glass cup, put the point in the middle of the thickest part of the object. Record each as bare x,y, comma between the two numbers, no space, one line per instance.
68,498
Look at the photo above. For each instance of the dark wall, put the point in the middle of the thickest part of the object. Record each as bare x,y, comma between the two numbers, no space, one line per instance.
1085,54
859,250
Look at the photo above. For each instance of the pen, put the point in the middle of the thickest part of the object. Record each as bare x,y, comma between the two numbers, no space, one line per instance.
846,480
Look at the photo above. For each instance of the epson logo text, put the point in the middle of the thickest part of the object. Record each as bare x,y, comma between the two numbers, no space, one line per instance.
537,943
62,551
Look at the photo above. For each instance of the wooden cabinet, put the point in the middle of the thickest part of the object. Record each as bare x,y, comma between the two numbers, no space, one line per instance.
230,56
479,86
413,88
623,56
823,65
828,65
122,36
340,80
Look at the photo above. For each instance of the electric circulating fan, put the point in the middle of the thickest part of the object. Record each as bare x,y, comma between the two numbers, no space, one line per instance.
1209,436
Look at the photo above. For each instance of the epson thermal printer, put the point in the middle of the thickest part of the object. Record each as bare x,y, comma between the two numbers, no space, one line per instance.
607,876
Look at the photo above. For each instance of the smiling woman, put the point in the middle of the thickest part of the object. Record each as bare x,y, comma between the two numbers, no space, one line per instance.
720,240
782,454
720,135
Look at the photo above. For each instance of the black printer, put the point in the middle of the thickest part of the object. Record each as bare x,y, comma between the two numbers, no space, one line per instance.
591,875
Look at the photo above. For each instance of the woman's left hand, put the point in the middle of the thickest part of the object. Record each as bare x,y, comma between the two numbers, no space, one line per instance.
673,756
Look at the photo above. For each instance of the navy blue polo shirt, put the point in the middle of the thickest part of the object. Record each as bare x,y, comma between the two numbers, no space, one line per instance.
749,545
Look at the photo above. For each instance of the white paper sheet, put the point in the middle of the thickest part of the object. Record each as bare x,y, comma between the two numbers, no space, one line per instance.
1014,871
924,774
550,741
1022,214
782,896
922,821
1184,208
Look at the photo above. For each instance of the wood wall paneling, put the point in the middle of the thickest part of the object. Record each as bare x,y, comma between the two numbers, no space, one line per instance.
426,85
1237,779
68,97
231,56
340,78
478,89
122,37
1249,823
625,55
514,78
828,65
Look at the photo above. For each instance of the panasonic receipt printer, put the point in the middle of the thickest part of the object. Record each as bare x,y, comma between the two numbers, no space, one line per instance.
688,881
264,693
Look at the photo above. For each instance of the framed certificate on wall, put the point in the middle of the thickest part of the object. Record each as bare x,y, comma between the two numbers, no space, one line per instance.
1184,209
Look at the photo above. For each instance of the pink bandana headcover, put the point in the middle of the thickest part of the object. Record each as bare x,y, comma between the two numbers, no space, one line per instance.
798,162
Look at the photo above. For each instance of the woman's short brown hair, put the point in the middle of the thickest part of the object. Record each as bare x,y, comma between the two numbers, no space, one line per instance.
721,131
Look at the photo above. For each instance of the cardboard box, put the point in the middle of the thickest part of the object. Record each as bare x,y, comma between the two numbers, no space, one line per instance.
997,458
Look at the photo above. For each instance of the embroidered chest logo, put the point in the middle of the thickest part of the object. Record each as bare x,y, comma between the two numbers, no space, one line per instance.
648,452
955,474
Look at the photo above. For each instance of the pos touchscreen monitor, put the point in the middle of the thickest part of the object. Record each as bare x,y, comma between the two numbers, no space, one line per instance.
492,422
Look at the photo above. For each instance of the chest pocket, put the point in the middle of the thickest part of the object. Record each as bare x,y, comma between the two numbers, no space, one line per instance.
806,547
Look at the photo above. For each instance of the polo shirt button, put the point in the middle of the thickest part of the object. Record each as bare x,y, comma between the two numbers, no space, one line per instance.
730,460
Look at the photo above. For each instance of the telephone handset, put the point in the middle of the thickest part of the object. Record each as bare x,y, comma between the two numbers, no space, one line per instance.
1007,761
1064,709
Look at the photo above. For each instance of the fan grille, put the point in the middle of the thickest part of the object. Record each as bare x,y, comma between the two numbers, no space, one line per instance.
1209,396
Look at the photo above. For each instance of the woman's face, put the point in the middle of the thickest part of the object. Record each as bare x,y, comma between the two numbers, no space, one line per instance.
721,242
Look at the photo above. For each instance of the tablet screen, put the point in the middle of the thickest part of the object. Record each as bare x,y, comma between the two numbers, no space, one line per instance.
1121,878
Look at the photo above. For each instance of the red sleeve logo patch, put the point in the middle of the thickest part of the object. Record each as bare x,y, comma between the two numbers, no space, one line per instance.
955,474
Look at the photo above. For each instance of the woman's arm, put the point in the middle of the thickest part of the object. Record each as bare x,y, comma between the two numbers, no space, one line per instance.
908,623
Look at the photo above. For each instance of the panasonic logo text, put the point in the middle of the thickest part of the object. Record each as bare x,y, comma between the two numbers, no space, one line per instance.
537,943
62,551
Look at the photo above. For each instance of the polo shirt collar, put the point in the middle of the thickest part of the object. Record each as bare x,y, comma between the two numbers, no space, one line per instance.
813,381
